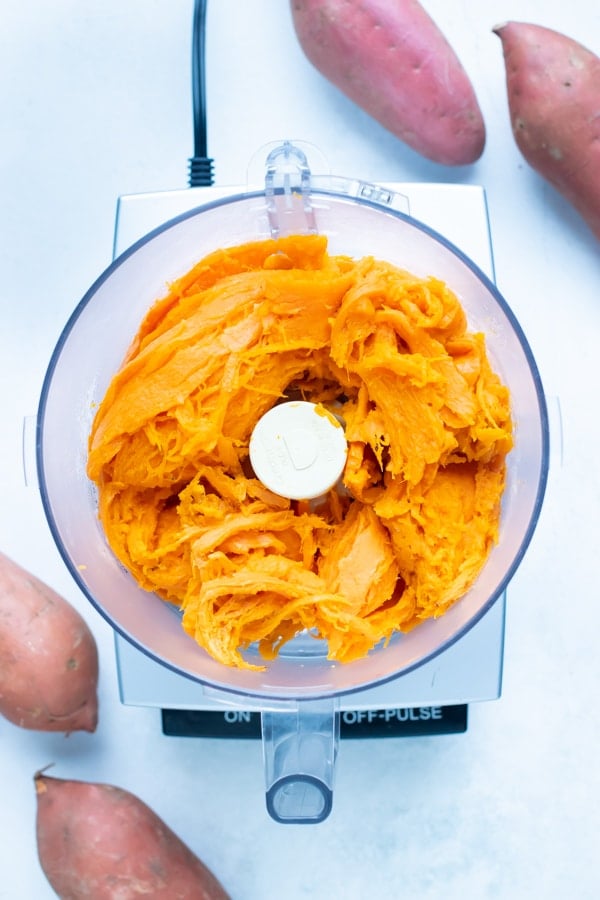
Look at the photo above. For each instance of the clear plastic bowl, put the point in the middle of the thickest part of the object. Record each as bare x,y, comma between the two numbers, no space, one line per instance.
92,347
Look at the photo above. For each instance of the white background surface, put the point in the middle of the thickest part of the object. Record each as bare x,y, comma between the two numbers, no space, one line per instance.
95,102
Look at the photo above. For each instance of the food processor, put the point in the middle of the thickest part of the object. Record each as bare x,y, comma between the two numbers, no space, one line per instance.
301,696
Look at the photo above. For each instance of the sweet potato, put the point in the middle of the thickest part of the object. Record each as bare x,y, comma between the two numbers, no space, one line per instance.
48,656
553,86
393,61
103,842
426,419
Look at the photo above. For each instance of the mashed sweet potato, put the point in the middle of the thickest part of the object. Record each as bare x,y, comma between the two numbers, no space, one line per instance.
426,419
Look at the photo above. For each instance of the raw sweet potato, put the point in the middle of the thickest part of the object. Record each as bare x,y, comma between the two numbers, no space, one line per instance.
393,61
553,86
102,842
48,656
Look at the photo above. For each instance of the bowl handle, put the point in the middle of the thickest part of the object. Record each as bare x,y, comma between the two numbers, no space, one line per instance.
299,752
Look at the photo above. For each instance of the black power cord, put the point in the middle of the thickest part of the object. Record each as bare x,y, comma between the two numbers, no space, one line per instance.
200,165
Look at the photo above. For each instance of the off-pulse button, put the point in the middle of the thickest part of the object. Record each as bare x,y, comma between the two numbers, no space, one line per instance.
298,450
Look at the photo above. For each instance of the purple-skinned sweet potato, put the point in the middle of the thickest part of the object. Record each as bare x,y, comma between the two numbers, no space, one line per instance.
393,61
48,656
553,85
103,842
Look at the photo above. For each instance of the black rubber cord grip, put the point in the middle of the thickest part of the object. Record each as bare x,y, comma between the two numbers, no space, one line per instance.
200,171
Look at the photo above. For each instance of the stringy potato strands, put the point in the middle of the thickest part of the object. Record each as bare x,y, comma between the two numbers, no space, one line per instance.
426,419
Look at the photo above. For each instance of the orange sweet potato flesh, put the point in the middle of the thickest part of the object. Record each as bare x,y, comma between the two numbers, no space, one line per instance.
553,85
426,419
393,61
103,842
48,656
